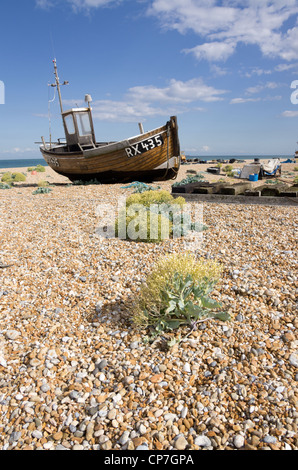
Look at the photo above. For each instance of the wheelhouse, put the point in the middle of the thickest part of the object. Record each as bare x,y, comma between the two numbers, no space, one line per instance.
79,130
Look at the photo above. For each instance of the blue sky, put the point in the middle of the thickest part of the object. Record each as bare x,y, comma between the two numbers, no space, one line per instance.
224,67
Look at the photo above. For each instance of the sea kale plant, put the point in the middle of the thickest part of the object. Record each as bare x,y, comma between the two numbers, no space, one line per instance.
11,178
177,292
148,216
42,190
189,179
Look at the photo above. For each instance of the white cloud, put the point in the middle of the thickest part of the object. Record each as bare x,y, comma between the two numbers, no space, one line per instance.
177,91
247,100
259,88
218,71
243,100
141,102
255,71
87,4
285,67
290,114
124,111
227,23
213,51
219,24
254,89
78,4
44,4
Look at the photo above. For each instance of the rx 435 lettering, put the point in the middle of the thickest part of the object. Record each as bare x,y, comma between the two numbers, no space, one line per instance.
144,146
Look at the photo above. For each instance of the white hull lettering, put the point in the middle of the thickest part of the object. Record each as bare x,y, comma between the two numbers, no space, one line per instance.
144,146
52,161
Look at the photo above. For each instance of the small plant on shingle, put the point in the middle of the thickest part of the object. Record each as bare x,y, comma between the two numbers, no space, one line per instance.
43,184
148,216
6,177
227,168
40,169
11,178
189,179
42,191
177,292
18,177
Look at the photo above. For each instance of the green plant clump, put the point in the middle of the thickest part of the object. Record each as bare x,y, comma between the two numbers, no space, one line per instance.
17,177
6,177
40,168
189,179
227,168
4,186
42,191
177,293
140,187
43,184
11,178
148,216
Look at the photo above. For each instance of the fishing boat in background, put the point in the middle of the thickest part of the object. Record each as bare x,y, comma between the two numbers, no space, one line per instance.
149,156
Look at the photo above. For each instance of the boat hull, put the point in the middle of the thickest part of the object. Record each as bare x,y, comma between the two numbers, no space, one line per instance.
152,156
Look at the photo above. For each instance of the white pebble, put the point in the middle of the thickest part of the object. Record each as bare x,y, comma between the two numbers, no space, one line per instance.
238,441
202,441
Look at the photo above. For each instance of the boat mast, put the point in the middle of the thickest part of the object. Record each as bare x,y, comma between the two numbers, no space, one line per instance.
58,84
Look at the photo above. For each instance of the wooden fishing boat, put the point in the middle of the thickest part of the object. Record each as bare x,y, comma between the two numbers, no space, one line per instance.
149,156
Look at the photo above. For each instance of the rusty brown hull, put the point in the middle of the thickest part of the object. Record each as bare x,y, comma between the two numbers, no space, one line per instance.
152,156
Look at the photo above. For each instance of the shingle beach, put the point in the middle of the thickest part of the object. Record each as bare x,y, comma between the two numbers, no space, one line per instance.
74,372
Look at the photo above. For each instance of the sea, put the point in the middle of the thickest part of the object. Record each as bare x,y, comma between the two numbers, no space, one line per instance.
22,163
30,162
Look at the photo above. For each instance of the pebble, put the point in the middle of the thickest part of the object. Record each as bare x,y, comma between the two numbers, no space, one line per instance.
12,334
180,443
270,439
76,375
238,441
142,447
293,359
202,441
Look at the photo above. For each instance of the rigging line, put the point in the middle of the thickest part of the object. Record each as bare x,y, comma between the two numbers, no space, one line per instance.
49,113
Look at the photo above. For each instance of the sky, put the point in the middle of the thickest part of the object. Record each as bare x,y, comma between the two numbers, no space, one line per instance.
228,69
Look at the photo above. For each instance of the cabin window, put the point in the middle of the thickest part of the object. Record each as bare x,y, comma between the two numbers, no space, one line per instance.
69,124
84,124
